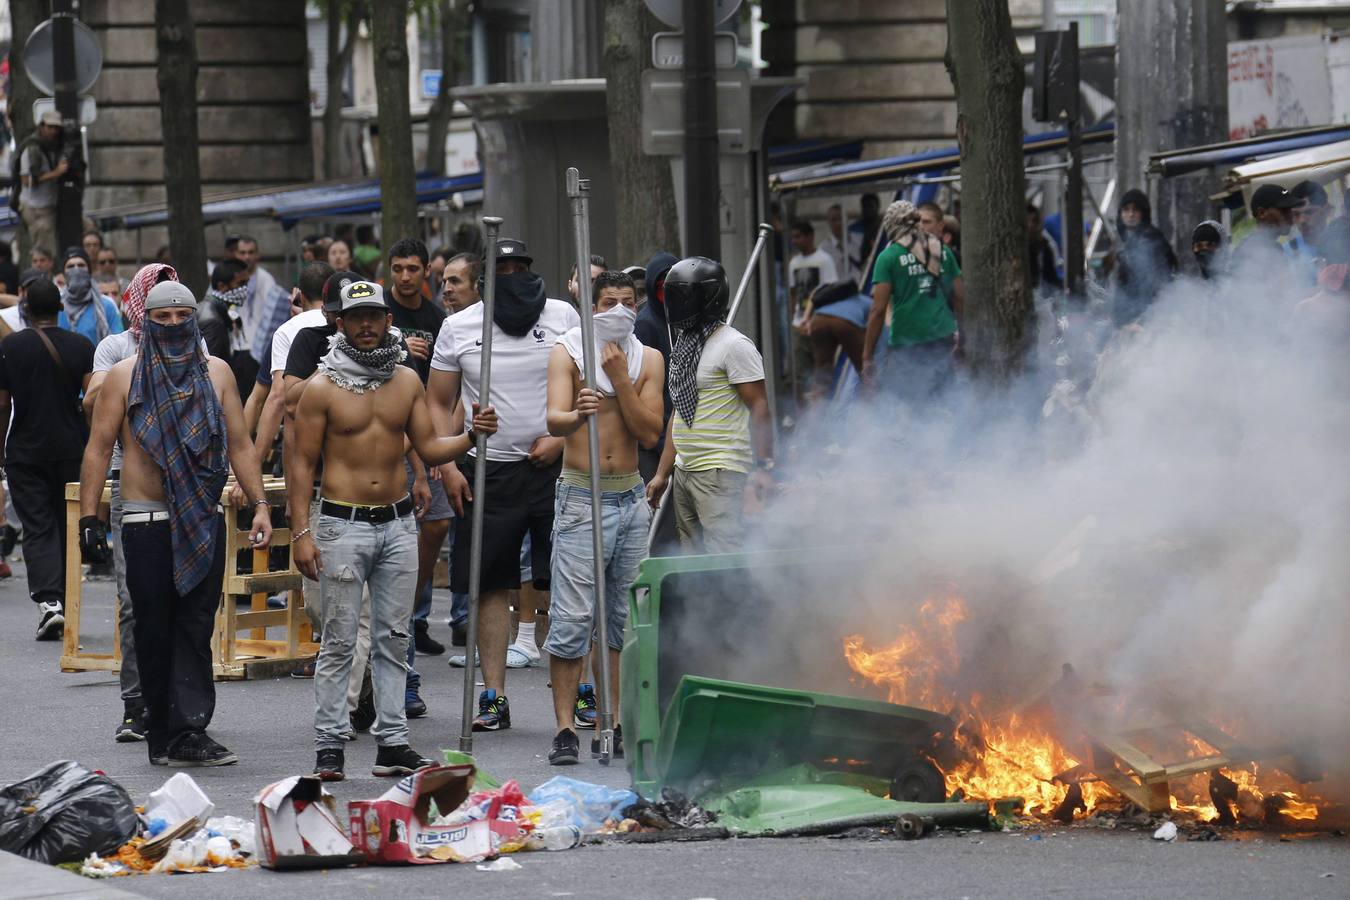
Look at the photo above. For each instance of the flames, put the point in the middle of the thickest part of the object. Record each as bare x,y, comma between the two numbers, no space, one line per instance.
1002,753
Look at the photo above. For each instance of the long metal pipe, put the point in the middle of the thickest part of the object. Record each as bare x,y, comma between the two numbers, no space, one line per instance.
765,229
491,226
579,191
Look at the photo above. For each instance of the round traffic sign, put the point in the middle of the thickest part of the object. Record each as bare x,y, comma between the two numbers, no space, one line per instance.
38,61
672,11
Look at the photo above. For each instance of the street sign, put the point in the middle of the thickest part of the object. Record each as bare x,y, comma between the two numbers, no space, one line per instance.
663,112
672,11
37,58
431,83
88,109
668,50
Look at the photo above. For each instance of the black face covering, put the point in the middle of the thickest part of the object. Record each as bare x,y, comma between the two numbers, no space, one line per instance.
518,303
1205,259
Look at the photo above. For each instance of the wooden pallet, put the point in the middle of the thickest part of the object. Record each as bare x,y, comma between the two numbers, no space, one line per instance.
1118,761
243,605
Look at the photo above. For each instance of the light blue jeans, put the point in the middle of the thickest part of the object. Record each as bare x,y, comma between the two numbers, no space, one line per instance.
356,555
626,518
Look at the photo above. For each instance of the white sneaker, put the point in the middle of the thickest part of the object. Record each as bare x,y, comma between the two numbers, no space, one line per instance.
518,657
52,624
457,661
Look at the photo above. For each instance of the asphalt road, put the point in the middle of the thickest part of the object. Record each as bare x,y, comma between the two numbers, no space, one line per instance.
50,715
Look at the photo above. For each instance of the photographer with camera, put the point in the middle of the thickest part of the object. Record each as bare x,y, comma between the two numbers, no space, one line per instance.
41,165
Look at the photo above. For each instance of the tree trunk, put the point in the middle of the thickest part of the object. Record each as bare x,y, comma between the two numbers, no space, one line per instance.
1192,61
339,58
175,43
25,15
644,195
986,69
398,179
451,17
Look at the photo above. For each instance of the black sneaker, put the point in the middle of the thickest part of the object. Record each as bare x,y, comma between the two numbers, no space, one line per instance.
363,717
196,749
423,641
494,713
414,707
328,764
9,536
566,749
617,752
52,624
305,669
459,634
399,760
132,728
159,757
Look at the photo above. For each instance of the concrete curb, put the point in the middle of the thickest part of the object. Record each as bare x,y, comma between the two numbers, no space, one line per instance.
24,879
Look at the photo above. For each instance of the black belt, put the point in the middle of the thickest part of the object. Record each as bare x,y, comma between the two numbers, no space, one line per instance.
115,475
375,515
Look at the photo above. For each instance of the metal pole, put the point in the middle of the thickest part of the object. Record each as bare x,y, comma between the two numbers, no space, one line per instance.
69,211
491,225
579,191
765,229
702,234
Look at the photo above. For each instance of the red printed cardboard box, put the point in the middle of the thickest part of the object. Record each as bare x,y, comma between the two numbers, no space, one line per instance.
395,828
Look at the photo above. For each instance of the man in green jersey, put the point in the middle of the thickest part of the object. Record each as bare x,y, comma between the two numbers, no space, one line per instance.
918,282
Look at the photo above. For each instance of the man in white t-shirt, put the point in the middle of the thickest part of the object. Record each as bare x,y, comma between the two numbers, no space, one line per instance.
720,442
310,294
523,461
809,268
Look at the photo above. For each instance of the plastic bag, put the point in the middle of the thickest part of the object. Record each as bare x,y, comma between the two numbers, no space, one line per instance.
63,813
580,803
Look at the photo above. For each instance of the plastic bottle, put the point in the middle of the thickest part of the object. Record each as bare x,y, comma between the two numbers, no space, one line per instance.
555,837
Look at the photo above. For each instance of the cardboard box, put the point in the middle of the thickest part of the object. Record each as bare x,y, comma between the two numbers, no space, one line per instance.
396,828
299,827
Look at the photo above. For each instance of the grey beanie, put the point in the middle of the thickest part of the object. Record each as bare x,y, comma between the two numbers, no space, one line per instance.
167,294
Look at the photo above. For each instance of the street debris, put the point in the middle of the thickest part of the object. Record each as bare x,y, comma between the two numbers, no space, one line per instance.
1168,832
299,828
63,812
501,864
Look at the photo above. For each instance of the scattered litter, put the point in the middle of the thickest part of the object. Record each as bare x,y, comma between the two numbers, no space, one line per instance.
397,827
501,864
174,812
1204,834
674,810
298,826
1328,875
63,813
1168,832
580,803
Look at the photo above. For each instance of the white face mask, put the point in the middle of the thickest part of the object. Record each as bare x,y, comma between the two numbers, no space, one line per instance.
613,326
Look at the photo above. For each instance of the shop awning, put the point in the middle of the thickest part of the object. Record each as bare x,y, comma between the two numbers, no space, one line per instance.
1229,153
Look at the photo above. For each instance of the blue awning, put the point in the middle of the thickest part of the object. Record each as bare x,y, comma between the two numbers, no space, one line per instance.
926,163
801,153
1196,159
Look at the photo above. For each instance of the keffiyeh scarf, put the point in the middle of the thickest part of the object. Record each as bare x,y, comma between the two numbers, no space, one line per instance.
901,224
359,371
133,298
174,414
684,357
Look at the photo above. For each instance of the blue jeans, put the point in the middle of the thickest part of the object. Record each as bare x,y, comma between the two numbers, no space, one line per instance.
354,555
626,518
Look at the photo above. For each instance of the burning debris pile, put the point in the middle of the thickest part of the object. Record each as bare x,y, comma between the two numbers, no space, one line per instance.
1074,750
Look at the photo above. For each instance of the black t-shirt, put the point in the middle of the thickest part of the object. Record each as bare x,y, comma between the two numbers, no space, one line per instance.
48,424
9,276
423,322
311,345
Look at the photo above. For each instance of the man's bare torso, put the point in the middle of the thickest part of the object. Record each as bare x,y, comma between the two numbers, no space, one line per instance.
363,443
618,447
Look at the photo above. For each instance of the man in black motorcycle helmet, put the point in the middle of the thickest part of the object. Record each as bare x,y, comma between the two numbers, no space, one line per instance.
719,446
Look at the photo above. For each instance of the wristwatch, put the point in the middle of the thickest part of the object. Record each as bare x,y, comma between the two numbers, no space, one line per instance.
765,464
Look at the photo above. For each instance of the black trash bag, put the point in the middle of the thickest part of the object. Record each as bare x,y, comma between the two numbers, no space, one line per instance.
63,813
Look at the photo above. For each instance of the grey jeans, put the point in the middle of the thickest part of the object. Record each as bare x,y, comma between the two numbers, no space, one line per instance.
314,612
355,555
129,677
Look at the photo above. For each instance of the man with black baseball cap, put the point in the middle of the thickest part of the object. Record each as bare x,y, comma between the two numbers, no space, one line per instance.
1264,251
512,256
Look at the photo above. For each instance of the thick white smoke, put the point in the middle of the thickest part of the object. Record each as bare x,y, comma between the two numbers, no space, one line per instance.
1174,525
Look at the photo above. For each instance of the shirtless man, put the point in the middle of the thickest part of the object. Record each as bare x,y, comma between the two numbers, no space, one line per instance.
630,406
356,413
178,416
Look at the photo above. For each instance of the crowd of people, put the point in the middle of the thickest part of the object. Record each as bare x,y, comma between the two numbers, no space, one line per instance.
361,385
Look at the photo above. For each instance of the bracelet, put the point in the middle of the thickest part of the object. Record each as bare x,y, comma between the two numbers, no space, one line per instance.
258,503
296,537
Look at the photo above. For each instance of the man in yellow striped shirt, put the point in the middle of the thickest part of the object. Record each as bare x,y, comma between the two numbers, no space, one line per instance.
720,443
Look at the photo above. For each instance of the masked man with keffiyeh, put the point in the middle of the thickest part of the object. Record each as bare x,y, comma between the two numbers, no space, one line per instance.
359,412
916,284
720,439
177,415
